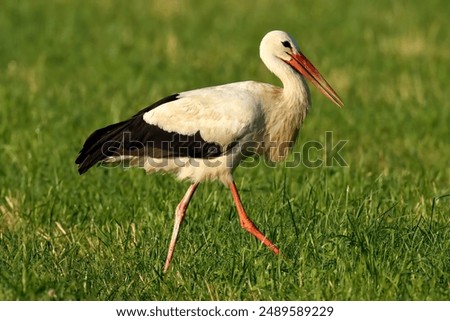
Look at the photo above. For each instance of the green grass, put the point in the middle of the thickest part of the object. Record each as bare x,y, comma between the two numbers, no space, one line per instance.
378,229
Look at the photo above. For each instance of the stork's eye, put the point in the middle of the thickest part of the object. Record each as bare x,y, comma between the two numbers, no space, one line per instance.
287,44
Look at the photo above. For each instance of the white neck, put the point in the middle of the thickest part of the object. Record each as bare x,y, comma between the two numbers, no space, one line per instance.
284,119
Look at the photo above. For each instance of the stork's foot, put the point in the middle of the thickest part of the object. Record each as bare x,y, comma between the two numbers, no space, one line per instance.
179,216
247,224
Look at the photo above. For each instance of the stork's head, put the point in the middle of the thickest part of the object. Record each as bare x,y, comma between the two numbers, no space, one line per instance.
278,50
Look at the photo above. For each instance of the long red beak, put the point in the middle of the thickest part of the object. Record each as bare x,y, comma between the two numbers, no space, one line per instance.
300,63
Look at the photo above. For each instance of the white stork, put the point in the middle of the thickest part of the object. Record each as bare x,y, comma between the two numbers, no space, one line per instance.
204,134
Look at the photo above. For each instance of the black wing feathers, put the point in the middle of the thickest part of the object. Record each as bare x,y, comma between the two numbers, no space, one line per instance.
138,138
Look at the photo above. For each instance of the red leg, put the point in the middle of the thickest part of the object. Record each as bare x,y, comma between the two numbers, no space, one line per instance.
247,224
179,215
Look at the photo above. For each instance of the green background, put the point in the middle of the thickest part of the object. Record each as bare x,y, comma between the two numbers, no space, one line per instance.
377,229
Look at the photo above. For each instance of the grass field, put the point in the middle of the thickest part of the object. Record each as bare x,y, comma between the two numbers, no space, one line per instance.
377,229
